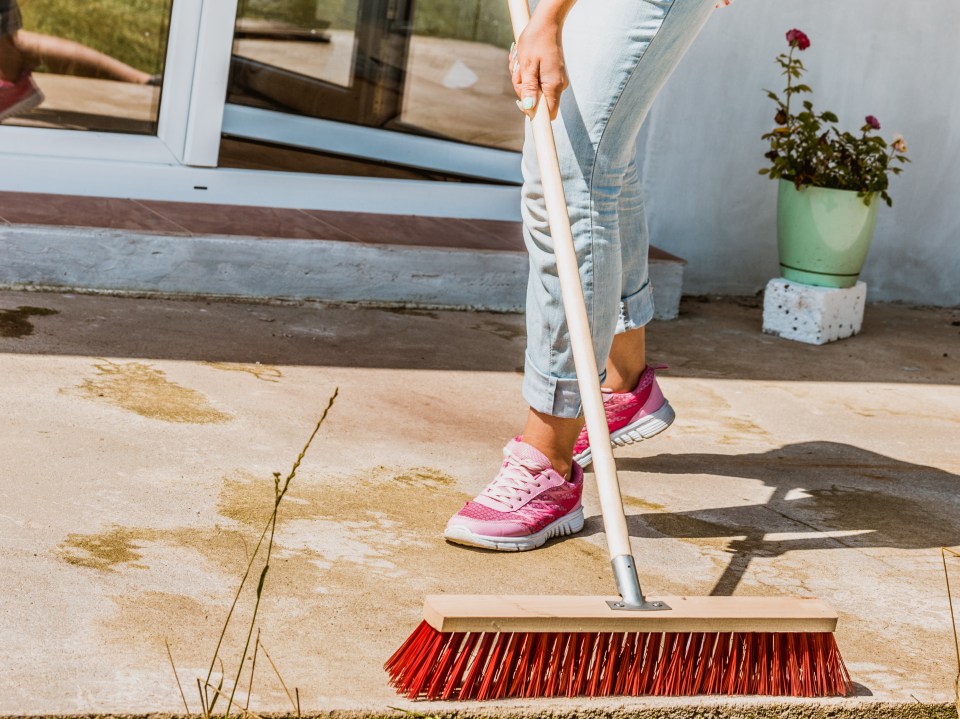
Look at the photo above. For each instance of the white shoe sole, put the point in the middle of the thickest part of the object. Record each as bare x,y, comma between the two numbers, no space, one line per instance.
645,428
565,526
25,105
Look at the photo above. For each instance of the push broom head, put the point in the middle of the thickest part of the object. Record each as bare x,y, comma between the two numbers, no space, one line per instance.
495,647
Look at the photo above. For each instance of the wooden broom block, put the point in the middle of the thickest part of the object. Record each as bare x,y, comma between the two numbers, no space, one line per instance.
479,613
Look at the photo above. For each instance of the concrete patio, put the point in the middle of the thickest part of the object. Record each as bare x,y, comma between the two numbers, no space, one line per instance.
139,437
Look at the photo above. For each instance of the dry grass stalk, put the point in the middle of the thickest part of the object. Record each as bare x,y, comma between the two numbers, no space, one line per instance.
207,704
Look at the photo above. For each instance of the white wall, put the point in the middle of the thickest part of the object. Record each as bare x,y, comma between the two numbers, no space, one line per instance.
701,147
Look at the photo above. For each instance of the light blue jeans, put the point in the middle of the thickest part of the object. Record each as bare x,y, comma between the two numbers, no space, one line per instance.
619,54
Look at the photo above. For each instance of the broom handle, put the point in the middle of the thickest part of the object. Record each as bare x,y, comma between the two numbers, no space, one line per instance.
608,486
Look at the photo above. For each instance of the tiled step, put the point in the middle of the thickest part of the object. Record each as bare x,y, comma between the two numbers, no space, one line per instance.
133,246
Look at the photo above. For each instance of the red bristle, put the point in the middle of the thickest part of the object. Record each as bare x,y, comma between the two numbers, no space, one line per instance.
777,664
556,664
651,659
460,666
713,683
434,665
424,664
584,654
573,644
623,661
730,666
397,658
631,685
404,665
449,655
588,687
476,668
691,660
746,664
519,679
677,668
569,673
662,664
538,662
780,663
508,664
763,665
400,661
704,657
814,678
605,672
493,664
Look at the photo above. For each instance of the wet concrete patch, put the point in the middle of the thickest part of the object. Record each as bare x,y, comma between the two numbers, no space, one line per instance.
104,551
146,391
16,323
265,373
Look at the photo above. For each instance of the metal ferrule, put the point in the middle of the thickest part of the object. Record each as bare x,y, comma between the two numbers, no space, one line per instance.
628,585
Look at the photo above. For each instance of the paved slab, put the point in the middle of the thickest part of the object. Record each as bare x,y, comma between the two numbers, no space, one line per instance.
138,440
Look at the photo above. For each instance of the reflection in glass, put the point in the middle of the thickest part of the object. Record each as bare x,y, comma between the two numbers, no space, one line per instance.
429,67
82,65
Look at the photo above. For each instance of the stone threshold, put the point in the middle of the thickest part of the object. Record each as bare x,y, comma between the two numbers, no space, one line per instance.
171,249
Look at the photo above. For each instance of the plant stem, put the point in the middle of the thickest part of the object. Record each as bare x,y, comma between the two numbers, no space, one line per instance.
272,527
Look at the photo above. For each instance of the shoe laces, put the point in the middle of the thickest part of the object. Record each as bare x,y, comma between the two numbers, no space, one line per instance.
518,479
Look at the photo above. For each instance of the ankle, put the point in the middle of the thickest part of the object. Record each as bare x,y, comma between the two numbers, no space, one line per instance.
623,382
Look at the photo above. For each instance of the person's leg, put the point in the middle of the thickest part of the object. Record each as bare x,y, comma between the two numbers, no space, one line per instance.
626,361
627,358
619,53
66,57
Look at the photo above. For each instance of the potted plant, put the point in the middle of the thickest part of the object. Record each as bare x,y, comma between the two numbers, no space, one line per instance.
829,182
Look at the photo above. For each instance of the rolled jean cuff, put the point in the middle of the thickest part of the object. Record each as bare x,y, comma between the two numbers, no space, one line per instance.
556,396
636,311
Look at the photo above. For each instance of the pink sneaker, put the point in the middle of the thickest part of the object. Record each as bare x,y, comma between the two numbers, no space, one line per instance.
631,416
19,97
526,504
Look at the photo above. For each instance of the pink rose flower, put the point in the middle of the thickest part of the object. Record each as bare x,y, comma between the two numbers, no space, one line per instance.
798,39
873,122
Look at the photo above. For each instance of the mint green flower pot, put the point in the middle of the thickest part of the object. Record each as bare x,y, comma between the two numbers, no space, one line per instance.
823,234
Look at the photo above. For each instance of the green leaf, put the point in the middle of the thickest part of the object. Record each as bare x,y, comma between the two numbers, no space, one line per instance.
765,171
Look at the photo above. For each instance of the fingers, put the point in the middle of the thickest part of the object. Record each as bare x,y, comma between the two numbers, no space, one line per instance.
525,77
552,84
531,79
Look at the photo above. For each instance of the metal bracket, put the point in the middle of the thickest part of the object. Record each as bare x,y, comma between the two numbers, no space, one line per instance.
631,596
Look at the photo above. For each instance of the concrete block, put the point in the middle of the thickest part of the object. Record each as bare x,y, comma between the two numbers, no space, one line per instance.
815,315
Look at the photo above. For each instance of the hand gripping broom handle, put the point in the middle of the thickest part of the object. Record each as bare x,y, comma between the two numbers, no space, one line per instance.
611,503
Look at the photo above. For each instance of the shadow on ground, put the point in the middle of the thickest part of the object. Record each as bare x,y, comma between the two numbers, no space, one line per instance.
713,339
867,500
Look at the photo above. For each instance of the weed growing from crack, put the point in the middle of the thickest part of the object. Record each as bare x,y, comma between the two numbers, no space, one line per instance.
944,551
204,686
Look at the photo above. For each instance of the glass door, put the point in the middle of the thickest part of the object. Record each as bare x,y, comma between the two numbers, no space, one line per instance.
417,86
82,65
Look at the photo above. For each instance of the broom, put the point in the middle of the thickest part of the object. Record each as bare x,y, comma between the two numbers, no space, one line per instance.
493,647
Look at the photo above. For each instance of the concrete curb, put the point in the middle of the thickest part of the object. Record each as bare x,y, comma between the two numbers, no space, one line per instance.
137,263
118,260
